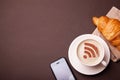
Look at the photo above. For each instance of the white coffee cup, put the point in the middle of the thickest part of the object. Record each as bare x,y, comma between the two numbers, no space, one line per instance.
90,51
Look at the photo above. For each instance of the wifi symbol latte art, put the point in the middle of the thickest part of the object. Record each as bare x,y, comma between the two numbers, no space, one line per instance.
90,51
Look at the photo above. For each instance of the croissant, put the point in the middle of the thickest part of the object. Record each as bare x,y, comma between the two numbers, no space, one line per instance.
116,41
110,29
118,47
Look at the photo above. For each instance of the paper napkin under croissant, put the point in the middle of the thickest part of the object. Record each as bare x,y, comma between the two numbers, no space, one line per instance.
115,53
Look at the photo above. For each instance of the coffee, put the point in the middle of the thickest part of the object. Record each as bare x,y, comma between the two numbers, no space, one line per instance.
89,52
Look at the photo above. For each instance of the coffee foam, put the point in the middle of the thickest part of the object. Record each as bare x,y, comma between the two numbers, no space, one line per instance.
89,54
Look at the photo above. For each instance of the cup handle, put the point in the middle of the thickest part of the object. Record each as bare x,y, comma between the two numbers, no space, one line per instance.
104,63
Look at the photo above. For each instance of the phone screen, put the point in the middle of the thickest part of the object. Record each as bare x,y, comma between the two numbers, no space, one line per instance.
61,70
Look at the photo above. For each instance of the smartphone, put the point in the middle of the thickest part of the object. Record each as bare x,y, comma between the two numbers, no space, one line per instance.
61,70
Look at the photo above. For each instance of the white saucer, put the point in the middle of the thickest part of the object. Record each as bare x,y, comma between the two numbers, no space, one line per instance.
76,63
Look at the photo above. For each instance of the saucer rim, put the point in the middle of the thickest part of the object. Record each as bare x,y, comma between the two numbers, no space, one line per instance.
73,44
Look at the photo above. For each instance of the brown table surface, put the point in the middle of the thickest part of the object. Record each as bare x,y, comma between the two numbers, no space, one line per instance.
34,33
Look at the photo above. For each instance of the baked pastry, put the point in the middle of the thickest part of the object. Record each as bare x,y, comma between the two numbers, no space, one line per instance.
116,41
110,28
118,47
100,22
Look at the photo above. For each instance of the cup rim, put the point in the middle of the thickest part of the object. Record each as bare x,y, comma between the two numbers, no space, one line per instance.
95,38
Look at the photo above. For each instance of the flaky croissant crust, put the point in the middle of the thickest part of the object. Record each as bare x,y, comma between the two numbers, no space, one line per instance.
110,28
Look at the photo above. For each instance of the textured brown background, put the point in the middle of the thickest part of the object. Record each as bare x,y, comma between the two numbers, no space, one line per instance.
33,33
